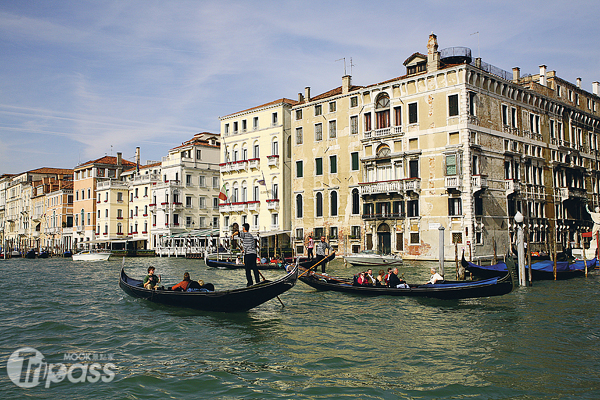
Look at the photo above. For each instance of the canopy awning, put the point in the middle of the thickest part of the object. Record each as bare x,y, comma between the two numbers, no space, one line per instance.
196,233
273,233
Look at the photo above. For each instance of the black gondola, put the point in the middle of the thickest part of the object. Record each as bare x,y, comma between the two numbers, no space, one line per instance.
541,270
31,254
44,254
224,301
447,290
223,264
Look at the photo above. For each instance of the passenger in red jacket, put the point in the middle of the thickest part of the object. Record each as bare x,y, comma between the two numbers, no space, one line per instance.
183,285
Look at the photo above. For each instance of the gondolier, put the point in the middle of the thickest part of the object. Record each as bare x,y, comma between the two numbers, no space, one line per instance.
320,248
249,247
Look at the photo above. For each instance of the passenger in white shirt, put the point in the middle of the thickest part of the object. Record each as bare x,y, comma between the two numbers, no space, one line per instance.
435,277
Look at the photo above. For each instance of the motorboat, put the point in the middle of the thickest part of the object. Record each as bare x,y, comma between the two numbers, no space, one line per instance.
369,258
91,255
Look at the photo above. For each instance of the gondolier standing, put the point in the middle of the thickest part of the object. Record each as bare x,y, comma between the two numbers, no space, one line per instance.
320,252
249,246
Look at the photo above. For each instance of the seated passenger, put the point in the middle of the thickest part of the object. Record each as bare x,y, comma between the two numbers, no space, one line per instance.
380,280
435,277
200,286
151,280
395,282
369,277
361,280
183,285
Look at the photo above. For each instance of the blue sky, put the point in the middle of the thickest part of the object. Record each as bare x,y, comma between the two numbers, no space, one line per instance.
81,79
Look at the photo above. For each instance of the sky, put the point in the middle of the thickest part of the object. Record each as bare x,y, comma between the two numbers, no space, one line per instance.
83,79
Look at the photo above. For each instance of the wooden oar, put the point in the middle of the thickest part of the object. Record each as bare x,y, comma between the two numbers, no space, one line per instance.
320,261
264,279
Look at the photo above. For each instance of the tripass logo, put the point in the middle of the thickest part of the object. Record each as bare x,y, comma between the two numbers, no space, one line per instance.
27,368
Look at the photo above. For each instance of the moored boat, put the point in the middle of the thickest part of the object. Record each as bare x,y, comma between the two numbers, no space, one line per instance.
541,270
31,254
369,258
495,286
234,300
91,255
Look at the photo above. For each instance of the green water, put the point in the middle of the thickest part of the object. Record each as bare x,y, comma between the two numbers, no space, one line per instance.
536,343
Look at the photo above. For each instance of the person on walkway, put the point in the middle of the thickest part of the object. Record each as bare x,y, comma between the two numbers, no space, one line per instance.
320,251
249,247
309,247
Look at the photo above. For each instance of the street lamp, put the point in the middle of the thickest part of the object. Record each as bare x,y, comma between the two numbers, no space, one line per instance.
520,248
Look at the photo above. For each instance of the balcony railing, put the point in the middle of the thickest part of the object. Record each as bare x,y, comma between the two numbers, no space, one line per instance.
512,186
412,184
273,204
383,216
273,160
479,182
396,186
253,205
453,182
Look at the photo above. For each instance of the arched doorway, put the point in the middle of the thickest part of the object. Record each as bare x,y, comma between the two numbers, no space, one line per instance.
384,239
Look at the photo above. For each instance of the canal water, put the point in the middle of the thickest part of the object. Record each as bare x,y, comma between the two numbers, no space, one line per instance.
539,342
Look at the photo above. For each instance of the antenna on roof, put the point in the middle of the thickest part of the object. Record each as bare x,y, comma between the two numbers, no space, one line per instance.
478,52
344,58
351,65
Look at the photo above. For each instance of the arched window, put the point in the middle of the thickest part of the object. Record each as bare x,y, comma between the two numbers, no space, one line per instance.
244,191
382,111
333,203
355,202
235,195
319,204
255,191
256,150
275,147
298,206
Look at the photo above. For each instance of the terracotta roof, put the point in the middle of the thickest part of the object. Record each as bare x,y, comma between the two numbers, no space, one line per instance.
333,92
110,160
282,100
47,170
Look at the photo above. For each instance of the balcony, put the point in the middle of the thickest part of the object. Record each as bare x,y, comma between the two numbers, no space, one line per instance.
273,204
374,217
225,167
381,187
273,160
412,184
512,186
479,182
177,205
253,205
238,207
566,193
241,165
453,182
254,163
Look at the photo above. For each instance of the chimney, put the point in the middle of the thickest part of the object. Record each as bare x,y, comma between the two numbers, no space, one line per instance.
543,75
307,93
346,83
516,74
595,87
119,159
579,83
433,55
137,156
300,98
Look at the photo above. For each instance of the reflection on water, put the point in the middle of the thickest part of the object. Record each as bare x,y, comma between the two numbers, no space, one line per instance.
538,342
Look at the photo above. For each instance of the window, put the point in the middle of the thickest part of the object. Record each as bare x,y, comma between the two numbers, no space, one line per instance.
256,151
244,125
275,219
298,206
299,136
274,119
255,123
412,208
414,238
318,166
198,154
332,129
453,105
333,232
354,101
333,164
333,203
398,116
319,204
504,114
472,103
120,197
318,233
413,168
367,122
215,181
318,110
454,206
355,202
451,164
274,191
332,106
412,113
355,163
226,128
188,180
513,117
355,232
318,132
382,112
235,127
354,125
299,169
188,201
202,181
275,148
298,115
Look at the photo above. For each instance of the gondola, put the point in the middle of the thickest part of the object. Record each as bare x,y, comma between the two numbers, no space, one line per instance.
31,254
233,300
447,290
309,264
222,264
541,270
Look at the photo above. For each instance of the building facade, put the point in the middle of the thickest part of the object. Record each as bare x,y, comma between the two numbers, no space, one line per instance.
255,171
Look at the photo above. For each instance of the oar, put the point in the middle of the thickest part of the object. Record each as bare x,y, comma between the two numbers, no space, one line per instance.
264,279
320,261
